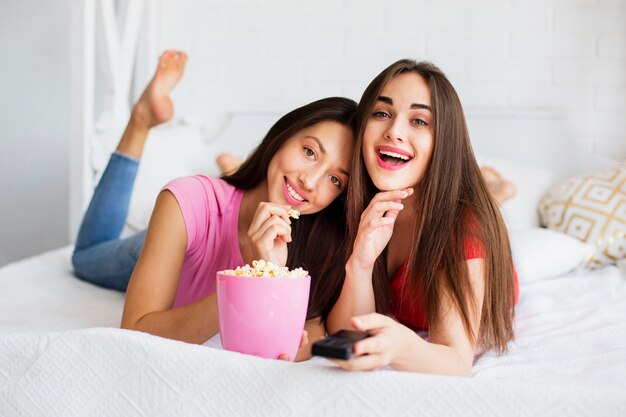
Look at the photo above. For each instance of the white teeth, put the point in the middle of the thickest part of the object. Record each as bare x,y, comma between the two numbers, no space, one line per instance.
293,193
395,155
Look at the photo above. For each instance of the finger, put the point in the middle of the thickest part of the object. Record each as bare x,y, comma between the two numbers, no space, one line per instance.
392,214
362,363
371,362
384,206
273,220
391,195
304,339
264,245
370,321
382,221
370,345
274,227
283,357
380,209
266,210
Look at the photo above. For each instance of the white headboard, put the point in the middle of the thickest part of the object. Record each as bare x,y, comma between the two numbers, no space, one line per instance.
540,139
533,150
114,56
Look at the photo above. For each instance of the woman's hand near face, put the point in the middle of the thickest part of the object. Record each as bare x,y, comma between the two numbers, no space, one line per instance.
376,227
269,232
375,230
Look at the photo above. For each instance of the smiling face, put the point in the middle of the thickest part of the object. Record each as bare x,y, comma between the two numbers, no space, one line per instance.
398,137
311,168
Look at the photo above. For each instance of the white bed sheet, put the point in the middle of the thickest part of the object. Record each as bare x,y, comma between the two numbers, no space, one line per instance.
569,358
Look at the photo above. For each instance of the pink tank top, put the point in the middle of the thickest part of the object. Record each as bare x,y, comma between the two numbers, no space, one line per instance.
210,209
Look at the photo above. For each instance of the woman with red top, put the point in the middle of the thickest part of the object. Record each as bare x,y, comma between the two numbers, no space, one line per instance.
430,249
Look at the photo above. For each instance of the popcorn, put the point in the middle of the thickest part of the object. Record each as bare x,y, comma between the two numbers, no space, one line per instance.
294,214
262,268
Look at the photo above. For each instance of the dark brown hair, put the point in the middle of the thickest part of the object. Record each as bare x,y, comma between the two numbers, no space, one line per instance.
455,206
318,240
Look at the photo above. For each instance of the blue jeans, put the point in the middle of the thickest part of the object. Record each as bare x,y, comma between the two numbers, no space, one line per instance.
100,256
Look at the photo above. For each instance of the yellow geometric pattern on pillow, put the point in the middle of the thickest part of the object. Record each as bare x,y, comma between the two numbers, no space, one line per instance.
591,208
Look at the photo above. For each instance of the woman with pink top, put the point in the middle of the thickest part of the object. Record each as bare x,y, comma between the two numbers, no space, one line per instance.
201,225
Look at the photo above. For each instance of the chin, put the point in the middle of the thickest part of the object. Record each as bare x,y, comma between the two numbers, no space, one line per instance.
386,185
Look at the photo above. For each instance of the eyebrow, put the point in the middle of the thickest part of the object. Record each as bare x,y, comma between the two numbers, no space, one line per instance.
389,101
323,150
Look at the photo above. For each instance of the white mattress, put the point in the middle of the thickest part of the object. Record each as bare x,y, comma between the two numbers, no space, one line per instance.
61,354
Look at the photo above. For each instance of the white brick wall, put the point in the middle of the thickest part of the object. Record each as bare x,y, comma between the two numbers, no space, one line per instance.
509,55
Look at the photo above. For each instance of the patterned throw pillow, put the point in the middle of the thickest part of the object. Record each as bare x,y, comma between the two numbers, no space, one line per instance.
591,208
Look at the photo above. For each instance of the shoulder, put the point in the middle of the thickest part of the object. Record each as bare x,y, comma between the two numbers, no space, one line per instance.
197,182
473,245
213,192
205,204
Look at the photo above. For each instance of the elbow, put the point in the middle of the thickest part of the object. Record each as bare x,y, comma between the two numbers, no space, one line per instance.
464,365
129,323
465,371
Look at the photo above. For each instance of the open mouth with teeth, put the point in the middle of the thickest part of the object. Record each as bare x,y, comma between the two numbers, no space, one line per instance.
292,195
389,159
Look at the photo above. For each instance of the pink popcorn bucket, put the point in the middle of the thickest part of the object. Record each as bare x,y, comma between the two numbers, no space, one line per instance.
262,316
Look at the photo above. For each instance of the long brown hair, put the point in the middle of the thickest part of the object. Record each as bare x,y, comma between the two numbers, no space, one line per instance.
454,206
318,240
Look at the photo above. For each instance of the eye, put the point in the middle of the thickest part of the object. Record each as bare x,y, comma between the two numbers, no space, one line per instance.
309,152
381,114
419,122
336,181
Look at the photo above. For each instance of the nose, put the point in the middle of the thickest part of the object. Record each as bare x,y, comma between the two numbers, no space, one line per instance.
395,131
309,179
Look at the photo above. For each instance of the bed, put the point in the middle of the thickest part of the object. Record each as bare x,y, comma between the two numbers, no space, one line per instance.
62,353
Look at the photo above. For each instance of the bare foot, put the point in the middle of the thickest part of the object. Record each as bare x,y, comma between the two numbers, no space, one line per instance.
228,163
501,189
154,106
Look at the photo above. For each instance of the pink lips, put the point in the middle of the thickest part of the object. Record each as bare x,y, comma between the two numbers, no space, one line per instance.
387,165
288,196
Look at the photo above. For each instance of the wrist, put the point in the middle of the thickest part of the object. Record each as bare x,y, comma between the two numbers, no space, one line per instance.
409,350
354,267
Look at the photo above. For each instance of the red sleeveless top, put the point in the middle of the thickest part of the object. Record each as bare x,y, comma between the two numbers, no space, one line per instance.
413,316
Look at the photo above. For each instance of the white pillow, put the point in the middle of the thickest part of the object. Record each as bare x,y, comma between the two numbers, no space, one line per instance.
622,266
591,207
520,212
543,253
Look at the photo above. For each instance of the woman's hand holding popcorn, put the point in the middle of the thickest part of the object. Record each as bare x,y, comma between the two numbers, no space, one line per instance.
270,231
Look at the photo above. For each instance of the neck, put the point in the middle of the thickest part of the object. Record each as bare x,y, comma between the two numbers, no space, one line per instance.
407,217
401,240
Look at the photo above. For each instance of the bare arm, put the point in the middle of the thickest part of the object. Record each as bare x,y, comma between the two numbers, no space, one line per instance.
375,230
152,288
449,350
356,298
